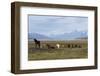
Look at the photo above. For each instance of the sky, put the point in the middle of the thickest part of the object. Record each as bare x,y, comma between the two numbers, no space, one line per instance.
55,25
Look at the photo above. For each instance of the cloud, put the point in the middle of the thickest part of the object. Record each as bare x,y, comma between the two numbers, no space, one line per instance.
49,25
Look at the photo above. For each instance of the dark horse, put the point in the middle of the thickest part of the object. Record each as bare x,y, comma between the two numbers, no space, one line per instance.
37,43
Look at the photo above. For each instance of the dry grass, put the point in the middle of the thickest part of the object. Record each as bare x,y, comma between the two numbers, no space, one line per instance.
63,52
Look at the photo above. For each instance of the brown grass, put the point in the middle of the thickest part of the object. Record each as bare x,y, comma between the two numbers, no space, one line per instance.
63,52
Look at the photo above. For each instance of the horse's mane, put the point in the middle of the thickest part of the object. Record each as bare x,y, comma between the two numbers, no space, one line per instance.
35,39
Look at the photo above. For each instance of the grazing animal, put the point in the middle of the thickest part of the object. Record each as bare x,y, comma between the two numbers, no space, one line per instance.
69,46
58,46
37,43
75,45
50,47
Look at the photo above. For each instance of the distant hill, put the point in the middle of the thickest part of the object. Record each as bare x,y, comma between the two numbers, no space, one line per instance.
65,36
82,38
71,35
31,36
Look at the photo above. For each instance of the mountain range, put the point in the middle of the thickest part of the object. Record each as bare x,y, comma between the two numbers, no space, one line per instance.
64,36
31,36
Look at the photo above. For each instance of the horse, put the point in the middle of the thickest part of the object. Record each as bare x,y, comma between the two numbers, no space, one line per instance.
37,43
58,46
50,47
69,46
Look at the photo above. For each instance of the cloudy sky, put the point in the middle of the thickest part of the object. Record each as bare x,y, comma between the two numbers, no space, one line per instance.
54,25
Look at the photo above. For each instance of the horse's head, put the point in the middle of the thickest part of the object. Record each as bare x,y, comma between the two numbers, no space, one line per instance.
35,39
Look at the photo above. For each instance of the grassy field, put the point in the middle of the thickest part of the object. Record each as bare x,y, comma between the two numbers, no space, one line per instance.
64,52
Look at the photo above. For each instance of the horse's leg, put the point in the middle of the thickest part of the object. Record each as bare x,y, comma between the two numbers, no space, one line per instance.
39,44
36,45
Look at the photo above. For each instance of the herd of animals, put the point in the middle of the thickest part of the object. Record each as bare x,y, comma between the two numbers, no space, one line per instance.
38,45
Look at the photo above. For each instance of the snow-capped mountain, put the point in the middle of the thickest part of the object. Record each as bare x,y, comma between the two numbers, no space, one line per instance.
71,35
31,36
65,36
